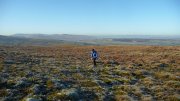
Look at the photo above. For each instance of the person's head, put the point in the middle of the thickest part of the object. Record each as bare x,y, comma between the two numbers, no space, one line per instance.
93,50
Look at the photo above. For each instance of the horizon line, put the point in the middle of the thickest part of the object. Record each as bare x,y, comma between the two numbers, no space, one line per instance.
94,34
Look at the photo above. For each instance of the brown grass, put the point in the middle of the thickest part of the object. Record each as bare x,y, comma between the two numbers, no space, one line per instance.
127,72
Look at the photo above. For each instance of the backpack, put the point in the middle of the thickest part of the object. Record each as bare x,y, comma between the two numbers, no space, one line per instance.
94,54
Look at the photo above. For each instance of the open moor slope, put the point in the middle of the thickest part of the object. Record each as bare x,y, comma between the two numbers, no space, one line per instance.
65,72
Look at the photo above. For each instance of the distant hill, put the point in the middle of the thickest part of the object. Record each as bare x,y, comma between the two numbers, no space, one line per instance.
58,39
6,40
66,37
135,41
138,41
176,37
15,40
11,40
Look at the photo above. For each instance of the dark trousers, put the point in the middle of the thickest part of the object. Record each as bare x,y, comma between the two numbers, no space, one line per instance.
94,61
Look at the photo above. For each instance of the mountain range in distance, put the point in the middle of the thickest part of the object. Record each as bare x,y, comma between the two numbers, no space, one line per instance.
71,37
65,37
56,39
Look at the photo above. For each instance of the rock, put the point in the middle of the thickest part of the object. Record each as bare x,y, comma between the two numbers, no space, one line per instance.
32,99
39,89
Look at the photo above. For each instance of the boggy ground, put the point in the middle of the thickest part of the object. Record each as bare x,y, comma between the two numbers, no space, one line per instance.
124,73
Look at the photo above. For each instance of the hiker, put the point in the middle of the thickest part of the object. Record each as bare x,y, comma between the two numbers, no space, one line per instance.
94,56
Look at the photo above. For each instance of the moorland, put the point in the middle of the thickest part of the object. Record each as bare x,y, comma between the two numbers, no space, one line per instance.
65,72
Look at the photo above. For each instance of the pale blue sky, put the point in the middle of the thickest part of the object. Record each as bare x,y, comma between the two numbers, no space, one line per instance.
142,17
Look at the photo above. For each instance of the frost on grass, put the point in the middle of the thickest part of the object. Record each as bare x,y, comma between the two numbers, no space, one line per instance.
124,73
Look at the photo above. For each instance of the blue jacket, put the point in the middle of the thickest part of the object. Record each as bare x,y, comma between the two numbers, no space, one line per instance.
94,54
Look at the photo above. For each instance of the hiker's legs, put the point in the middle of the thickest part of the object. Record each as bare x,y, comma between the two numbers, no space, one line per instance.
94,62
